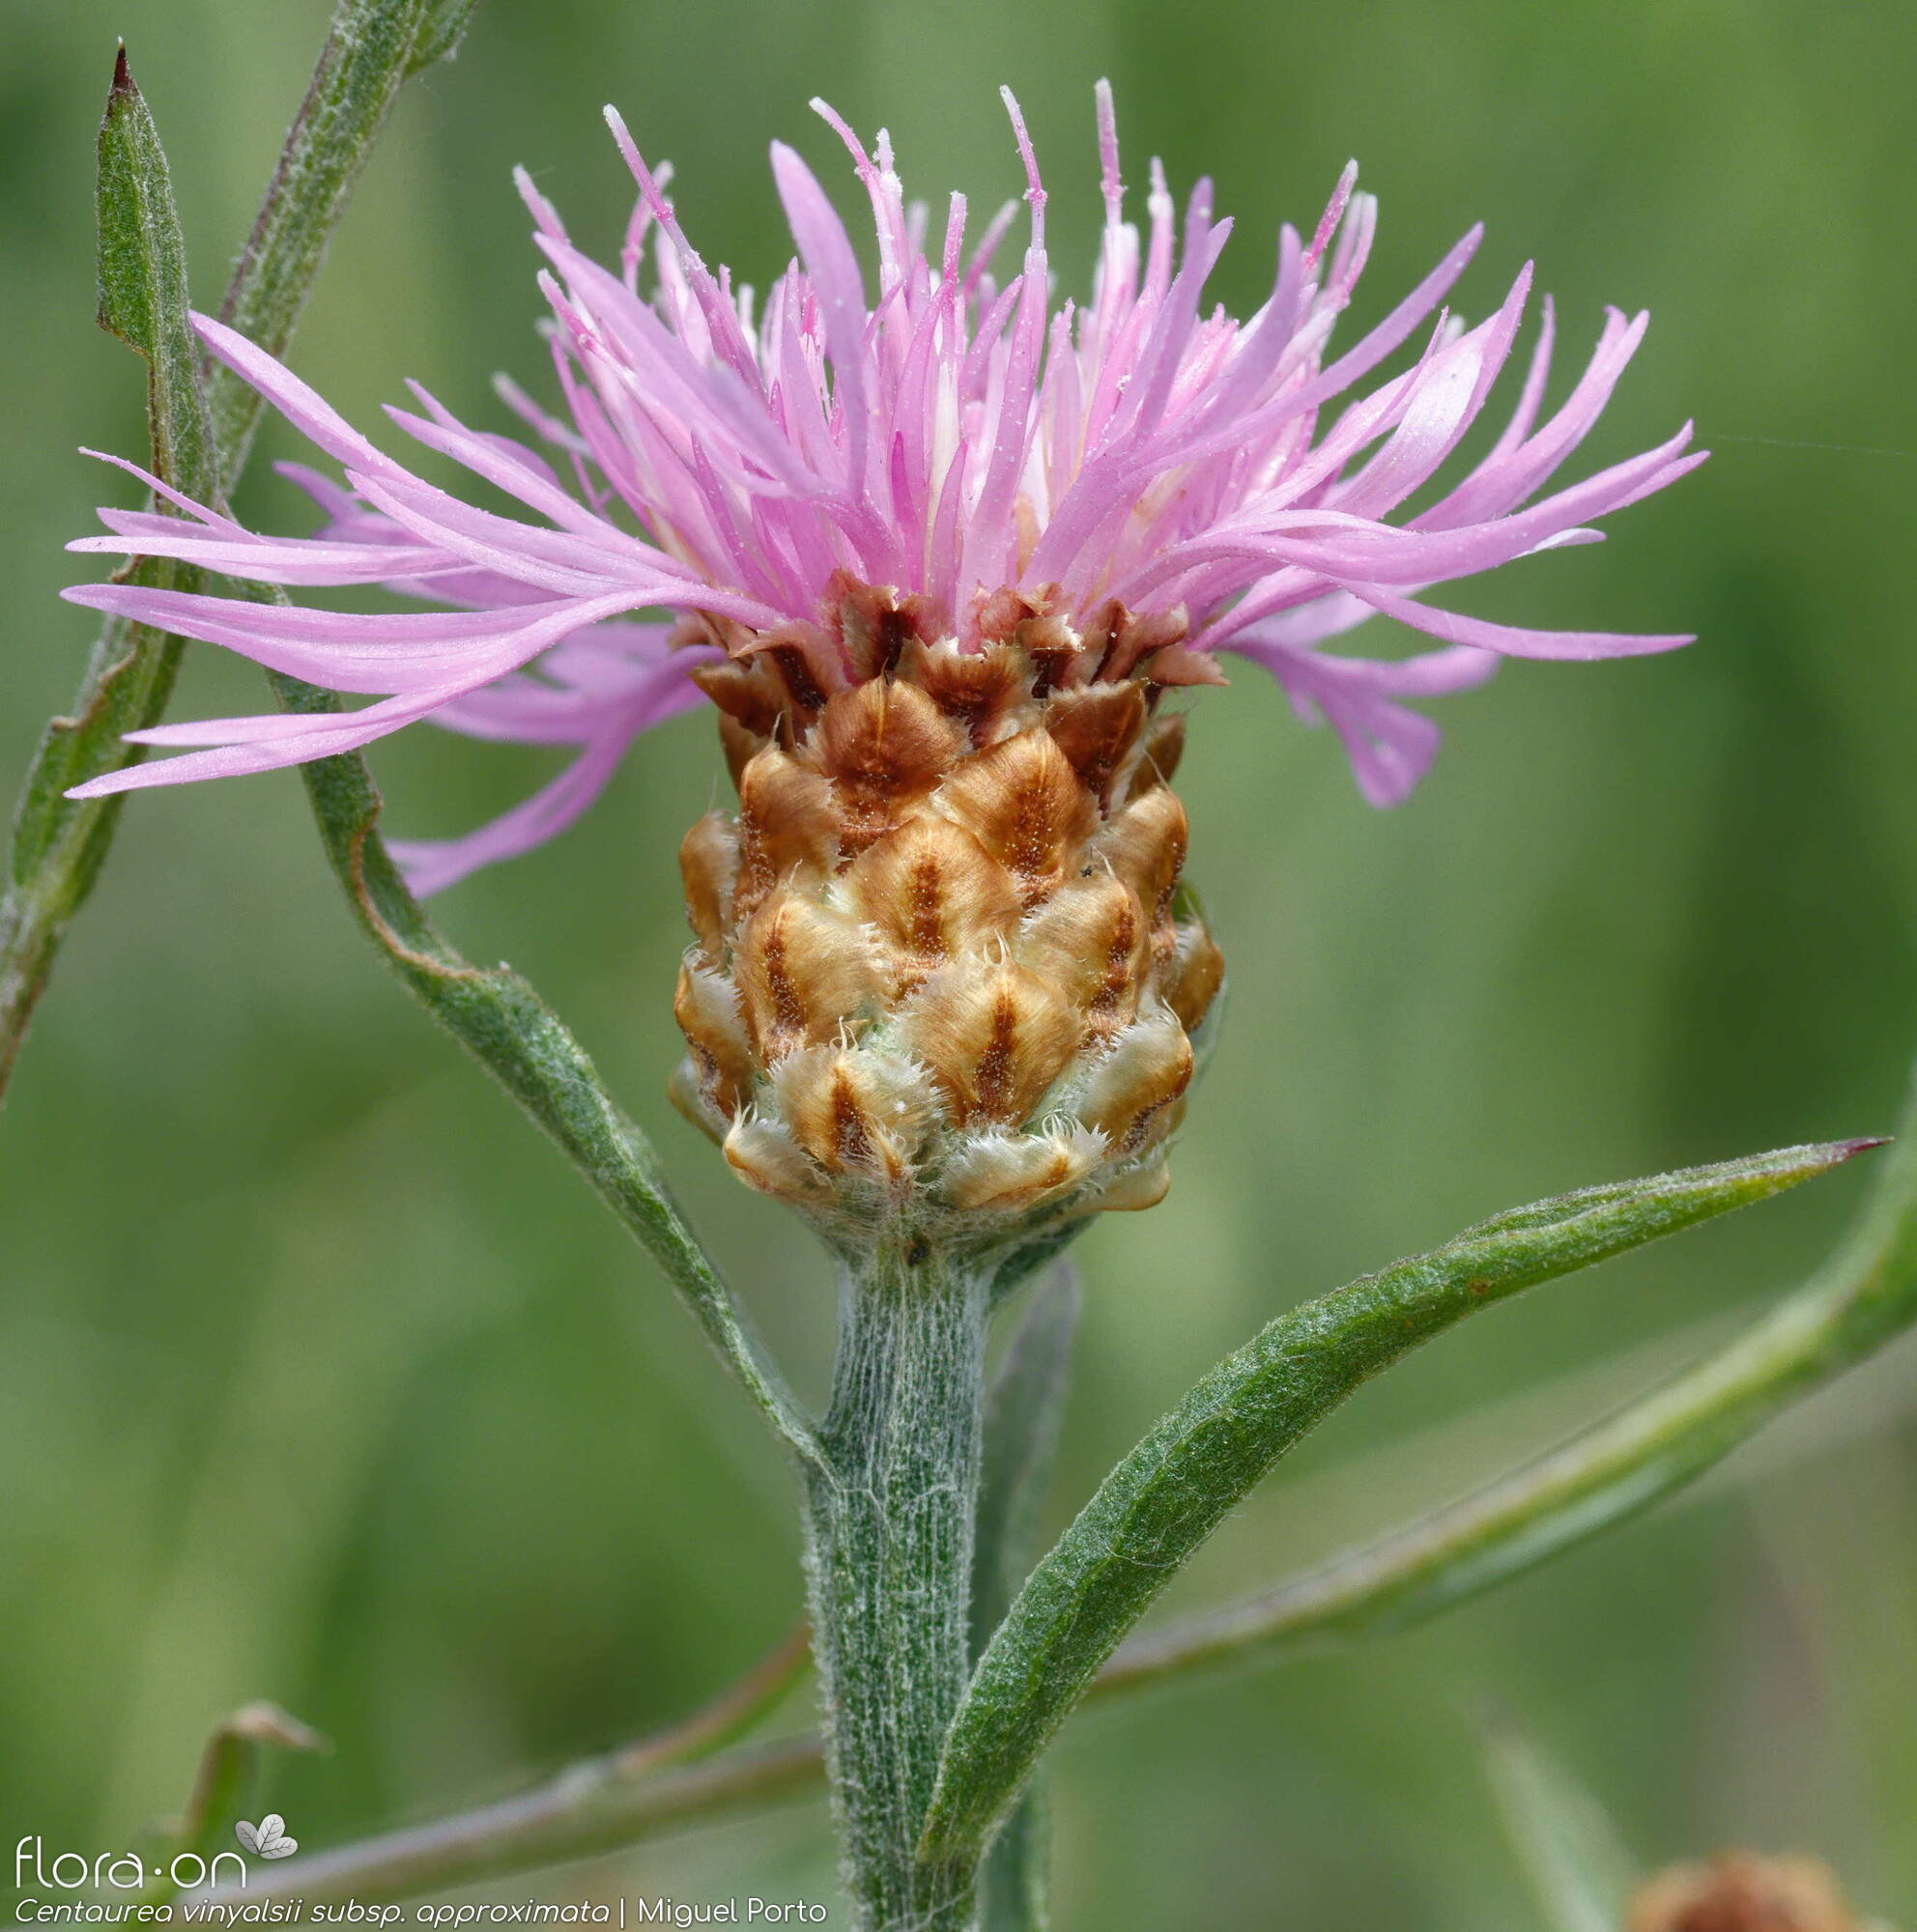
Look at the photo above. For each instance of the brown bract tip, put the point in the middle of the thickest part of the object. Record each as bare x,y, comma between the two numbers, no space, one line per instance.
1024,804
996,1037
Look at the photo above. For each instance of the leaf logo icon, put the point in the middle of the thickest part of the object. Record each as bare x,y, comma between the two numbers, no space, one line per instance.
268,1839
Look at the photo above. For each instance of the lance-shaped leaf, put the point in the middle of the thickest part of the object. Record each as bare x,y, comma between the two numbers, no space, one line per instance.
1173,1490
197,441
58,842
1023,1413
142,266
1024,1410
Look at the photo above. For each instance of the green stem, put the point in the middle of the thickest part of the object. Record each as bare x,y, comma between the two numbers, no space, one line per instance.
229,1766
891,1513
1649,1451
59,842
373,48
503,1022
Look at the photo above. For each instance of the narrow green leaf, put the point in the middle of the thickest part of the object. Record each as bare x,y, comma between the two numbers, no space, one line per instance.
504,1024
1024,1410
1169,1493
1023,1413
199,436
141,264
60,842
1574,1861
1618,1468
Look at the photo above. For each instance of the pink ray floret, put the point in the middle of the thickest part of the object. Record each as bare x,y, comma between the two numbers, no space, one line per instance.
718,469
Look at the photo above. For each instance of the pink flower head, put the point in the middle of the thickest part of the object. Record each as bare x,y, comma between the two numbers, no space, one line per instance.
721,473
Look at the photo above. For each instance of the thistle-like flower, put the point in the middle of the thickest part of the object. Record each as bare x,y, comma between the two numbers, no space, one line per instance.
936,559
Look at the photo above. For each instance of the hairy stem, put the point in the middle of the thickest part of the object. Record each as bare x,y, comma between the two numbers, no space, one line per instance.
59,842
373,48
503,1023
588,1810
890,1513
1649,1450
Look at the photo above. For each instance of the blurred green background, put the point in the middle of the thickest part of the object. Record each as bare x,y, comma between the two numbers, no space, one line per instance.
323,1378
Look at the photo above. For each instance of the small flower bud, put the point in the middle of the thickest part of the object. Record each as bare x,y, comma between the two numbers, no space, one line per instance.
1740,1892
